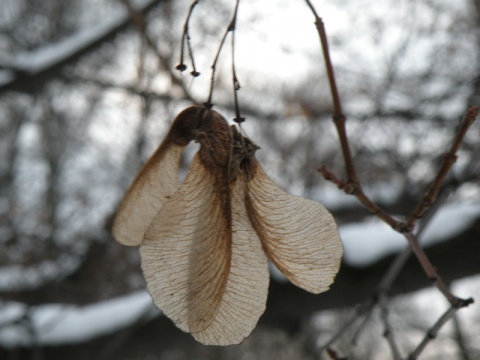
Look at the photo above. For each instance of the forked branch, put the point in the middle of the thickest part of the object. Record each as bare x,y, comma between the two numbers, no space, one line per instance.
448,160
352,186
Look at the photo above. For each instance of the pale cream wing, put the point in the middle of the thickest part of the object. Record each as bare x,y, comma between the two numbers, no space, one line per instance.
246,292
186,252
299,236
211,281
156,181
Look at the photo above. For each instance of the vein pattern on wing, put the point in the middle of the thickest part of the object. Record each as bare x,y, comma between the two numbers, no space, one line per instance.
156,181
299,236
247,286
199,260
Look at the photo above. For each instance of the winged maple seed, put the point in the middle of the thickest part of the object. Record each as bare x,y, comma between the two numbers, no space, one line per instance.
205,243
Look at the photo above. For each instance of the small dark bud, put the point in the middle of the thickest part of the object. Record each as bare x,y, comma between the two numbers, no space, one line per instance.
195,73
239,120
181,67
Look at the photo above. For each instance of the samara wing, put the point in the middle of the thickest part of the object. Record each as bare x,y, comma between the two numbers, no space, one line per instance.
203,262
156,181
299,236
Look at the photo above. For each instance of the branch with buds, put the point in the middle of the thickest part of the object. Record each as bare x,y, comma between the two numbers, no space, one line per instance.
353,187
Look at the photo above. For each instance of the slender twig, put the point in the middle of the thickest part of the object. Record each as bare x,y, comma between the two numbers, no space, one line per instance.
388,331
353,186
356,190
433,332
363,324
186,39
338,116
432,273
392,273
460,339
230,28
209,103
399,262
236,84
360,312
449,159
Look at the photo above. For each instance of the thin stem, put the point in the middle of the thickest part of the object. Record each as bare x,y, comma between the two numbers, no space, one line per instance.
230,28
365,308
360,328
394,270
449,159
432,274
460,339
433,332
181,65
357,191
337,105
194,71
399,262
353,186
388,332
236,84
338,117
186,39
209,103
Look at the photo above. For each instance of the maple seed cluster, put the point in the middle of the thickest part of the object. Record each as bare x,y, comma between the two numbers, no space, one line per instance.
205,243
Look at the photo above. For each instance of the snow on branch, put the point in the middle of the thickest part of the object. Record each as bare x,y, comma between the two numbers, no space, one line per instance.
27,71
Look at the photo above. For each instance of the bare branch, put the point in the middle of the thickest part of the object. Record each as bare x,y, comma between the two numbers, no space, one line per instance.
352,186
433,332
388,333
449,159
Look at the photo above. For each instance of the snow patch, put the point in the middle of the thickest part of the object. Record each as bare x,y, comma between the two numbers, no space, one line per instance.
367,242
56,324
19,278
